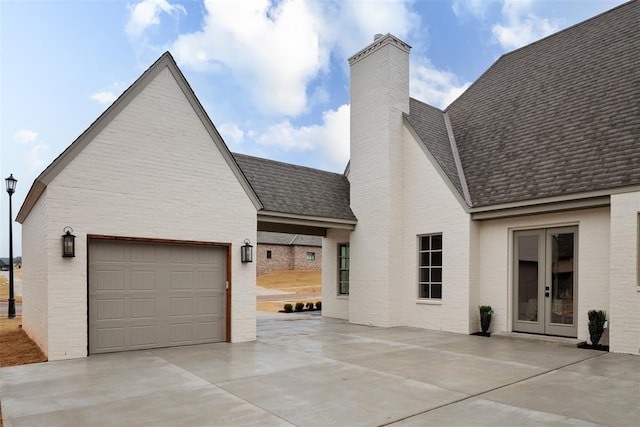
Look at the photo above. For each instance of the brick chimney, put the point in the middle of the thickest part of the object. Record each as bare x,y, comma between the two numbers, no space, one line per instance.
379,97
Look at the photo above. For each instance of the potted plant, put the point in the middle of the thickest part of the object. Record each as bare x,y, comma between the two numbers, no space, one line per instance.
485,319
299,306
288,308
597,322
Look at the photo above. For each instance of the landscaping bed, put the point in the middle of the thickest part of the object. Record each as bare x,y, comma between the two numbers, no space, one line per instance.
16,348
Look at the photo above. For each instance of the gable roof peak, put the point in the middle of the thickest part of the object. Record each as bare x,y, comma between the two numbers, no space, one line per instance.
165,61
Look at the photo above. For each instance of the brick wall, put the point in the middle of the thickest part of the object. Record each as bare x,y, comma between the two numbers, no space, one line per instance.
284,257
624,296
35,305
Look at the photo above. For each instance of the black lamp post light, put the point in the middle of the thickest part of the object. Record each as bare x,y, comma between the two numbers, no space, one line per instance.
11,188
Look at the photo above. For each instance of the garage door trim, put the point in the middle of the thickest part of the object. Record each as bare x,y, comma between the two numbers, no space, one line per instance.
229,287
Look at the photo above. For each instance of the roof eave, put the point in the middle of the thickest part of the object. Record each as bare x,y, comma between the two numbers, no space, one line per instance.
584,200
306,220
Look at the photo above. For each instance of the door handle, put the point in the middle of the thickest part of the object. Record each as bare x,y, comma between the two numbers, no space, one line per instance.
546,291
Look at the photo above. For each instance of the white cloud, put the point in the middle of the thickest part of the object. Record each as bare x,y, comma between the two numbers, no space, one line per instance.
26,136
277,48
330,139
34,157
348,26
274,47
520,26
476,8
231,133
104,98
435,87
146,13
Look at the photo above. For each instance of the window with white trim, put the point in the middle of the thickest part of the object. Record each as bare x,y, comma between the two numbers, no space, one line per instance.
311,256
343,269
430,270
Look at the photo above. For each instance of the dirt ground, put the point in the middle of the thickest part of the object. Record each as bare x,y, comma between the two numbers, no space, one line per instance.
16,348
4,287
292,282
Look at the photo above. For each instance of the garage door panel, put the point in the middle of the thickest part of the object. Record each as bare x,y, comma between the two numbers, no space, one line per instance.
182,333
144,336
144,295
111,339
181,280
110,253
206,331
181,306
110,280
209,306
144,253
181,255
143,280
143,307
110,309
207,280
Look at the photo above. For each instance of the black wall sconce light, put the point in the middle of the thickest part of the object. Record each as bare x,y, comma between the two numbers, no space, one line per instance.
246,251
68,243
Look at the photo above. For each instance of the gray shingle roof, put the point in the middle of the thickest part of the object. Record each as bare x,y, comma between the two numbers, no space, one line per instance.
287,188
557,117
268,237
429,124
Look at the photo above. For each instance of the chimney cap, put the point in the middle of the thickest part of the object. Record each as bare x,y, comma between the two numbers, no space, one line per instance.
377,36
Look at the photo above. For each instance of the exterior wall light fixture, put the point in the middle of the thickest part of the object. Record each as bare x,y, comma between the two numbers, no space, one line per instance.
246,251
68,243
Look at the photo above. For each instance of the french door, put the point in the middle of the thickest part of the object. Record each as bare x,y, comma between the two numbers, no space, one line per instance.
545,286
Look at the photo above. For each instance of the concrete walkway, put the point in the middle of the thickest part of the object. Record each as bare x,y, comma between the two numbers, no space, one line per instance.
308,371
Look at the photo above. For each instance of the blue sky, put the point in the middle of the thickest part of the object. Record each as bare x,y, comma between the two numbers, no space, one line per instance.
272,75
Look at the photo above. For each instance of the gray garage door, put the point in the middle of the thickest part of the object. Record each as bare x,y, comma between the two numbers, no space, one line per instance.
149,295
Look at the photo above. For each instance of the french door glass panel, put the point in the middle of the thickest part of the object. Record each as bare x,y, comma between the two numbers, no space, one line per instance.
545,281
562,269
528,278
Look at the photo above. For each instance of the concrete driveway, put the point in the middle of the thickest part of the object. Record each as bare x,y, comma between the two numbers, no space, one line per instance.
314,372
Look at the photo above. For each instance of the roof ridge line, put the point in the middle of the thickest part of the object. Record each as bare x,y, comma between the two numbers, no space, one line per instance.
456,158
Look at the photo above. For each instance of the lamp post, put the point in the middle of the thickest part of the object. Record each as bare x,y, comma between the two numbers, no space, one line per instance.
11,188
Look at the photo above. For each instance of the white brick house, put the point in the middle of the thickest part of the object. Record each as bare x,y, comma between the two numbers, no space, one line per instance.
523,194
529,183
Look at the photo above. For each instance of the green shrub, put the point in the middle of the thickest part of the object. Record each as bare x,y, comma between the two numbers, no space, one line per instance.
319,305
299,306
485,317
288,308
597,318
309,306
